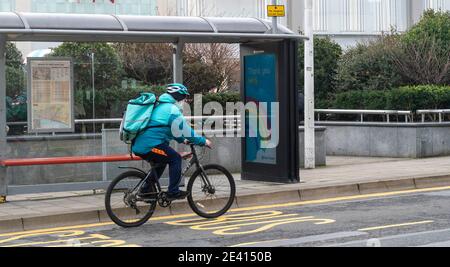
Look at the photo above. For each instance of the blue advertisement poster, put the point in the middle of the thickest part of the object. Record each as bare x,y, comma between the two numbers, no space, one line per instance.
260,89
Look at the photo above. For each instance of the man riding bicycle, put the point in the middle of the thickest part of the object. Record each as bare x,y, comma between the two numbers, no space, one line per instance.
153,143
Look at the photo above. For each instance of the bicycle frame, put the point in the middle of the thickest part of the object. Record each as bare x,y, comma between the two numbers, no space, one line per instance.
193,161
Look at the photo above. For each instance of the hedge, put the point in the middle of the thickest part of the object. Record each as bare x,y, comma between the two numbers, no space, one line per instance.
404,98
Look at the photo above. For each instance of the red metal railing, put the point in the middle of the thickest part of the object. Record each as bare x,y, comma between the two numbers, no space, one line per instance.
67,160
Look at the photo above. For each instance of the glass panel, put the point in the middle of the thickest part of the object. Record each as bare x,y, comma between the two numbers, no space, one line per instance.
115,74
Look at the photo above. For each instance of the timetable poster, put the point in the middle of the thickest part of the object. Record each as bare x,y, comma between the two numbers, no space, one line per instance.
51,96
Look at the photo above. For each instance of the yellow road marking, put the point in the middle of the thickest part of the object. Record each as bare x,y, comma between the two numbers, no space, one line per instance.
327,200
61,233
233,224
92,225
93,236
229,230
231,218
393,226
300,203
75,238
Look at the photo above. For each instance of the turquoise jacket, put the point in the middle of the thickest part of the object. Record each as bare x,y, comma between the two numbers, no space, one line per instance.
166,116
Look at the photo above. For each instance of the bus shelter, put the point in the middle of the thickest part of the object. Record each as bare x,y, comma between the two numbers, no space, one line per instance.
268,65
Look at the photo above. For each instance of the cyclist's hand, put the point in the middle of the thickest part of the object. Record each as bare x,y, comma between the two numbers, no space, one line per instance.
208,143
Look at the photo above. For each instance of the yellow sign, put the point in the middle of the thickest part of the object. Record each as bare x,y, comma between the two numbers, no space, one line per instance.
276,11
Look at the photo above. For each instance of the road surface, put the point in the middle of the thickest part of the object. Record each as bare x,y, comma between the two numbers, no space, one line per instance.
413,218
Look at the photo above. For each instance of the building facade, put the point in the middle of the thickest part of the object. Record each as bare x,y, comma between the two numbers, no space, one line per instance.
352,21
345,21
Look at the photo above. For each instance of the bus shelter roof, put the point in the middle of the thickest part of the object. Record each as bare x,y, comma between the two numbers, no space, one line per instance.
53,27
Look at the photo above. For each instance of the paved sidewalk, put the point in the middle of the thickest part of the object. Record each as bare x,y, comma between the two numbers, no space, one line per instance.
342,177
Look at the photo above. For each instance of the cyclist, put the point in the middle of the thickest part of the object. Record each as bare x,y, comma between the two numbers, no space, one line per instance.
153,143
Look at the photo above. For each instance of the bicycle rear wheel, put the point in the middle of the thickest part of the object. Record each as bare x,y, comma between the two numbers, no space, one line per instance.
213,200
123,205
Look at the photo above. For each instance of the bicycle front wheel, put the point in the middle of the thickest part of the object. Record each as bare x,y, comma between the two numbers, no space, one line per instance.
122,203
212,191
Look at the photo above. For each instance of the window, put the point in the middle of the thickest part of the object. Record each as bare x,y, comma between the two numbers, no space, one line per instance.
7,5
438,4
128,7
390,14
352,16
360,16
320,15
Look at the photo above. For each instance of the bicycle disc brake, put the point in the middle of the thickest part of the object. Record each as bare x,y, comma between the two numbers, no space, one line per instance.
163,200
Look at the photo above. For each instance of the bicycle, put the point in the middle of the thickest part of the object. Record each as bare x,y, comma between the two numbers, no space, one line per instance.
207,198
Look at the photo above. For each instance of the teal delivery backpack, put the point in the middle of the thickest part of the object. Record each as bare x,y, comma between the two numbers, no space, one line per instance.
137,116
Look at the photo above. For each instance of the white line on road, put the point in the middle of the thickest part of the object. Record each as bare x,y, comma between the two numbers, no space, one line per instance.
393,237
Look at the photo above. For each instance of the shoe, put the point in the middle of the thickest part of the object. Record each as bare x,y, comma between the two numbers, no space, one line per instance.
178,196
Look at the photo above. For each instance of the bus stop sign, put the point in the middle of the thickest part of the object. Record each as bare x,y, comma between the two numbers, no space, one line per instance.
276,11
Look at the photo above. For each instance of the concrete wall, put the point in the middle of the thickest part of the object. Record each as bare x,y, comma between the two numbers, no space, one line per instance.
321,148
401,140
32,147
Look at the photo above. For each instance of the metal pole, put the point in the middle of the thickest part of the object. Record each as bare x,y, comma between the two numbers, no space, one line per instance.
104,153
3,144
178,62
310,159
274,20
93,88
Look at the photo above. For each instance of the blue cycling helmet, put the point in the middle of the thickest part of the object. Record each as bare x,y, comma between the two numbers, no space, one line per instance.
174,88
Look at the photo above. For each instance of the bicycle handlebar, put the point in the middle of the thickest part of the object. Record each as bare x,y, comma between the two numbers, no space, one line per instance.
186,142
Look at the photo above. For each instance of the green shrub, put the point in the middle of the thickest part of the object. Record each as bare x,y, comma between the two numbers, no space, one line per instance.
423,55
369,66
15,76
14,58
420,97
16,108
16,105
361,99
15,81
326,57
433,25
404,98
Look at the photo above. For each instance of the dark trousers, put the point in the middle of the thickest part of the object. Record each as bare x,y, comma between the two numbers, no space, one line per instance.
164,155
